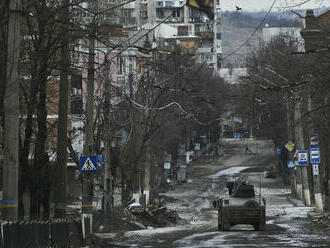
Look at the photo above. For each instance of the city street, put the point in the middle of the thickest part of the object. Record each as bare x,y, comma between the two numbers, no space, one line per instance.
287,222
195,123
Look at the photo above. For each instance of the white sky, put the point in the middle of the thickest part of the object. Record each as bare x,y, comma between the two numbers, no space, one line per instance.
255,5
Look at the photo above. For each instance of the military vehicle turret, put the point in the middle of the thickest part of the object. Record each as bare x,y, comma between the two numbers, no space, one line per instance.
242,206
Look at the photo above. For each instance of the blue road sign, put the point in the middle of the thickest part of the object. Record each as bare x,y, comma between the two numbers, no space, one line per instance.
167,165
314,139
238,135
99,161
313,146
303,157
315,155
278,150
88,164
291,164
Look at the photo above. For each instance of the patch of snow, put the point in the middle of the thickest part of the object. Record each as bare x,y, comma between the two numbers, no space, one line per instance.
229,171
135,204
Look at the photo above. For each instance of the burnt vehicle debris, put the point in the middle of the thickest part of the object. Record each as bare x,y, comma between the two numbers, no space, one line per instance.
241,206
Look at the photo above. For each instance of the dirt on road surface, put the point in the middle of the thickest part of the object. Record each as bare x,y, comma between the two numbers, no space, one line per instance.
287,223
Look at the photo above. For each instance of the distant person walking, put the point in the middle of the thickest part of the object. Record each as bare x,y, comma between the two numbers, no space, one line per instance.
248,150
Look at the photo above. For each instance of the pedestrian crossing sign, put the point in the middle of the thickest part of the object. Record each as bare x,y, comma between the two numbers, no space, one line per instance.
88,164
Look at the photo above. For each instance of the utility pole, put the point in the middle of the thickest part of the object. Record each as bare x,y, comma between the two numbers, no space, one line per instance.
302,177
147,162
60,193
11,117
252,112
217,36
108,191
290,138
138,136
87,186
316,175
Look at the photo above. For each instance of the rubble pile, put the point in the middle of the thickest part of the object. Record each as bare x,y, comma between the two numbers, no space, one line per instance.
154,216
321,221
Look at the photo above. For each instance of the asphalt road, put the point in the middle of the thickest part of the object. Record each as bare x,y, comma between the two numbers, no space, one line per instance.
287,222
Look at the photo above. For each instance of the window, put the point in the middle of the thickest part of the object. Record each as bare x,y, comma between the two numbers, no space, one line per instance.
130,65
120,79
120,64
144,14
160,13
182,30
176,13
169,4
127,13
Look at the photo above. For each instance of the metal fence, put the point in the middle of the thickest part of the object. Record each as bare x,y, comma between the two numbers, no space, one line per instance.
52,233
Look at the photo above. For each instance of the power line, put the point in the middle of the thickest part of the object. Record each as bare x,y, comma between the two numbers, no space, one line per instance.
292,6
189,115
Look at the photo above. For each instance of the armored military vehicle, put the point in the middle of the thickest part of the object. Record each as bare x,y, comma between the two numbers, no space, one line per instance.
242,206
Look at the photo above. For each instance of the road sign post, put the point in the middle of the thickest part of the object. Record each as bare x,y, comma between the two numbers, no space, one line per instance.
315,159
88,166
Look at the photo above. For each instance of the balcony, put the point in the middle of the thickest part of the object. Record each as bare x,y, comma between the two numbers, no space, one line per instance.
205,50
169,4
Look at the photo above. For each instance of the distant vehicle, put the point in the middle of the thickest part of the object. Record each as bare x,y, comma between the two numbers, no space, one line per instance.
241,207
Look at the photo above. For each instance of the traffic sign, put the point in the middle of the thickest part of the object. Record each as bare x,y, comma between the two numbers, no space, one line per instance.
315,155
289,146
197,146
314,139
315,169
167,165
302,157
88,164
291,164
99,161
278,150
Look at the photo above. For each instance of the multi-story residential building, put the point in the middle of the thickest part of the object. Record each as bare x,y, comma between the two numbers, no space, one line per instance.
180,22
161,21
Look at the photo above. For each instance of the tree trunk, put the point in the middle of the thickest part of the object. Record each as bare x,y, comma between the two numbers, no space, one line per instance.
41,159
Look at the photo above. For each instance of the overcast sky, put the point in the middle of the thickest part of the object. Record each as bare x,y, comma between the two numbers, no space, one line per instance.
255,5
